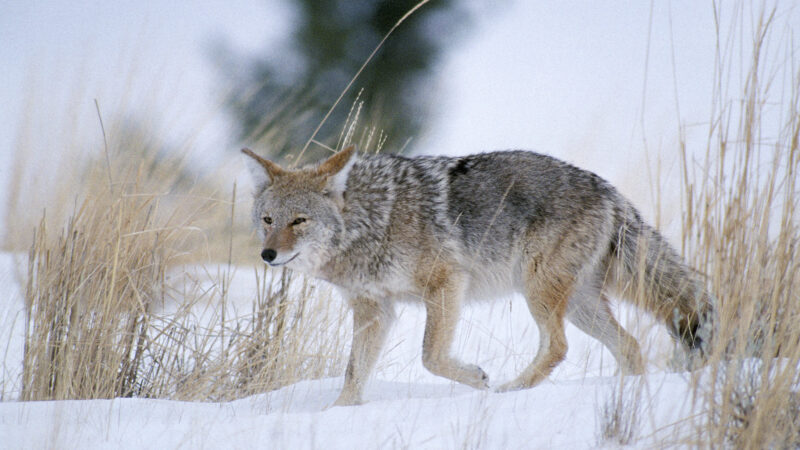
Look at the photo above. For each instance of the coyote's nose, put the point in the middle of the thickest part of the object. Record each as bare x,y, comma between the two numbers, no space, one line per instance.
268,255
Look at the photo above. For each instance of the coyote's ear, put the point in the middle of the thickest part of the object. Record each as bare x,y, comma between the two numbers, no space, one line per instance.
263,170
337,169
338,162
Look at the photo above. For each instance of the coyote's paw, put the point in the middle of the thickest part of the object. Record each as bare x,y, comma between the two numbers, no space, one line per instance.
509,387
476,377
347,400
519,384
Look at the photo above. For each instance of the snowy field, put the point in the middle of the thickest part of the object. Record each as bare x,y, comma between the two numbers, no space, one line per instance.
559,414
406,406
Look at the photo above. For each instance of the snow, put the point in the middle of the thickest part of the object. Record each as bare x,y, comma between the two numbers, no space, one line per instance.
554,415
405,405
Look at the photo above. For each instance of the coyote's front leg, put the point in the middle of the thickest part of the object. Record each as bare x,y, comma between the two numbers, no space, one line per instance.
371,321
443,298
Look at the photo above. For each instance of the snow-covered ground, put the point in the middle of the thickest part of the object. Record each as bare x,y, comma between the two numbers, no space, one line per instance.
558,414
406,405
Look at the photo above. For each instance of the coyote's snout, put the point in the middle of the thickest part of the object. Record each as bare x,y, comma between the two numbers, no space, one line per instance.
445,231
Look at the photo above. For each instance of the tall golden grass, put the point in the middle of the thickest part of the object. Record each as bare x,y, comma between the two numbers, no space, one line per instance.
128,292
741,232
741,229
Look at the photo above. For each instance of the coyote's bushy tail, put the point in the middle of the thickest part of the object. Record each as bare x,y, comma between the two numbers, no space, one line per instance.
645,270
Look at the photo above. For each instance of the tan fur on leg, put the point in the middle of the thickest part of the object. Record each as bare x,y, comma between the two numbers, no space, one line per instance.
547,303
371,322
443,305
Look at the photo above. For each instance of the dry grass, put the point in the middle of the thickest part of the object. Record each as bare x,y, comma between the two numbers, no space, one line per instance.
620,416
741,231
88,299
113,310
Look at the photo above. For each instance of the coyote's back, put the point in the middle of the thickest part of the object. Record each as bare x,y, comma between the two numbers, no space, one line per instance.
444,230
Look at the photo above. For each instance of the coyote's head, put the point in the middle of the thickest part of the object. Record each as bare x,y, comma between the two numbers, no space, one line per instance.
298,212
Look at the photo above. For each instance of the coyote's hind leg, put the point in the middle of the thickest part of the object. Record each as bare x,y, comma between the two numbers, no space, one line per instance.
547,301
589,311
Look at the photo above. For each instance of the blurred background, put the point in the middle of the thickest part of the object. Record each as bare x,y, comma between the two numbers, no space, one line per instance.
614,87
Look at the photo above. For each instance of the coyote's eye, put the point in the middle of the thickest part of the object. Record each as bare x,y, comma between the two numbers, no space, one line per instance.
267,220
298,221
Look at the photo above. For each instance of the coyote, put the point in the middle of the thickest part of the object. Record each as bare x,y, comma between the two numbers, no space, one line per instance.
446,230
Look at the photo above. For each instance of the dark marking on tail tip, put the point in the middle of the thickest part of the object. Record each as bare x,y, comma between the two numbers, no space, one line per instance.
695,334
688,333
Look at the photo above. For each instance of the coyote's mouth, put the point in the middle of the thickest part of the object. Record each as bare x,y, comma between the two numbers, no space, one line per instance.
274,264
